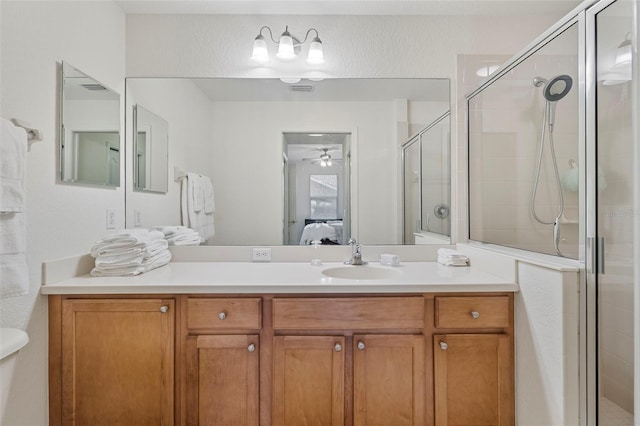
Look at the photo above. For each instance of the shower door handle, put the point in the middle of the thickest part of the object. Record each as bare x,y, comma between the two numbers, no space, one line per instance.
596,245
600,255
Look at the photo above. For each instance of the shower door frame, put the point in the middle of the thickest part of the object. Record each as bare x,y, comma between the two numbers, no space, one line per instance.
592,255
595,244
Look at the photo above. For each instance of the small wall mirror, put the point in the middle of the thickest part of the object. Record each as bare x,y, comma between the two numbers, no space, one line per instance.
151,147
89,130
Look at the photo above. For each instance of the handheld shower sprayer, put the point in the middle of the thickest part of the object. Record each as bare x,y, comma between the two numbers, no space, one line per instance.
555,89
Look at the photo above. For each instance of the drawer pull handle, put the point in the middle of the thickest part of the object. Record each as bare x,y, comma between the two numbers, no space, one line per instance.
251,348
338,347
222,316
475,314
361,345
444,346
164,309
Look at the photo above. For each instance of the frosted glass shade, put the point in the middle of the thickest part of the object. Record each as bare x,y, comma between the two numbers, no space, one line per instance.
285,48
316,55
260,52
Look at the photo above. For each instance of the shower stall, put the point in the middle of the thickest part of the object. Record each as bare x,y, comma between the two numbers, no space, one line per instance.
554,162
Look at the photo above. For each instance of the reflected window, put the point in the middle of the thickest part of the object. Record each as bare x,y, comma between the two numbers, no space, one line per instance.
323,196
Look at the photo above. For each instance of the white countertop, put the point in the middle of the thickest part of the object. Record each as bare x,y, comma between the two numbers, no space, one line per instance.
284,277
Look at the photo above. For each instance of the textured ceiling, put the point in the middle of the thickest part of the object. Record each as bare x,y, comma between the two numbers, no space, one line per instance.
350,7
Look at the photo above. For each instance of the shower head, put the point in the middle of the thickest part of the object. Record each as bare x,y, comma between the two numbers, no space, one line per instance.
557,88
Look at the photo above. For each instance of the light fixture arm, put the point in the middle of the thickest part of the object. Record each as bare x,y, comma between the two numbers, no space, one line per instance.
270,33
306,37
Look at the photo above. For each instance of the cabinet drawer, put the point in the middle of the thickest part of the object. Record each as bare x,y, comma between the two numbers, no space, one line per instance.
472,312
348,313
224,313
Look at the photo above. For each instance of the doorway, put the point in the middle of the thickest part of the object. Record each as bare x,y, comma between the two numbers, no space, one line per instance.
316,188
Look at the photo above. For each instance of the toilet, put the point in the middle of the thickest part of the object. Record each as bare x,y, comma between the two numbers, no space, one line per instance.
11,341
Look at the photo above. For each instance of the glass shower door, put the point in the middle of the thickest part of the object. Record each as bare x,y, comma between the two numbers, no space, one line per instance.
616,185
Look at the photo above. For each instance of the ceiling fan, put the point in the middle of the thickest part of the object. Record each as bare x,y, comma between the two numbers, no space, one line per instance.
325,159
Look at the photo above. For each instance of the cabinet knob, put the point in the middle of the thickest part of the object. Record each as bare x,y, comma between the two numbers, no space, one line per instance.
251,347
164,309
444,346
475,314
361,345
338,347
222,316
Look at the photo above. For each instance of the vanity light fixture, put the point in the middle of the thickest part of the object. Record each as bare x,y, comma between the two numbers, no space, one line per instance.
288,47
623,52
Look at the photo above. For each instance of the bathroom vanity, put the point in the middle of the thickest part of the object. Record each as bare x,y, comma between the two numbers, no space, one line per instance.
433,345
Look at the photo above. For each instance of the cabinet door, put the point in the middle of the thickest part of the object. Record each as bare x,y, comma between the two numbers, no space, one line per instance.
389,380
118,362
473,376
222,380
308,380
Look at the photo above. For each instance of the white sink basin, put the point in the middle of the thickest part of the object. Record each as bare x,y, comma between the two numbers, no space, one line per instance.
361,272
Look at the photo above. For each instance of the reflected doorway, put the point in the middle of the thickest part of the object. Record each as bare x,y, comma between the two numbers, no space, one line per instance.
316,188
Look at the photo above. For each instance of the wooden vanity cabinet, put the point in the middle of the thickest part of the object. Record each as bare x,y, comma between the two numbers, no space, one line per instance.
112,361
347,360
473,360
383,370
222,360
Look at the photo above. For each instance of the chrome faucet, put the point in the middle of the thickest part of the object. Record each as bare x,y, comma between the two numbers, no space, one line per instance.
356,256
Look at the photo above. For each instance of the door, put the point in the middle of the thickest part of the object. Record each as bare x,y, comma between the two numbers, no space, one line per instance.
473,379
308,380
389,380
222,380
118,361
617,197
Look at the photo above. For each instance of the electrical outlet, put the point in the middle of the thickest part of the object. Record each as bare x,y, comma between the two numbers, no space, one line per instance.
262,255
137,218
111,219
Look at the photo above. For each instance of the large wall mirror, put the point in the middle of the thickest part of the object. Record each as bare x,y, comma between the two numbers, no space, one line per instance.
89,130
280,154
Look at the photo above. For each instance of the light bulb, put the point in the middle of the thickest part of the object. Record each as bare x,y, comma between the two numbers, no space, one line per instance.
329,163
323,163
260,52
316,55
285,47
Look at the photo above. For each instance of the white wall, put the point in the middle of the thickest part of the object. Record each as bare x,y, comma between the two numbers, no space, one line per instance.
62,220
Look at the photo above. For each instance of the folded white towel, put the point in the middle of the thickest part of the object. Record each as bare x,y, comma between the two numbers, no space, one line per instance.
133,267
451,253
13,154
126,239
207,188
452,262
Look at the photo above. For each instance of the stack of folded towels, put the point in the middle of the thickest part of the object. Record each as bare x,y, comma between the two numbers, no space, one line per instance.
180,235
130,252
452,258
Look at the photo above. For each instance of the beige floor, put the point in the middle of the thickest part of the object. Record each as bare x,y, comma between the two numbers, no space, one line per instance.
613,415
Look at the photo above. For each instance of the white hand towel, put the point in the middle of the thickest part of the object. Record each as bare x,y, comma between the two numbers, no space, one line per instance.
451,253
12,233
14,275
196,191
13,153
209,201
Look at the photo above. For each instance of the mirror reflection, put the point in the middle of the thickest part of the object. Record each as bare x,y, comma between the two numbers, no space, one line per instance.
90,130
254,137
151,146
